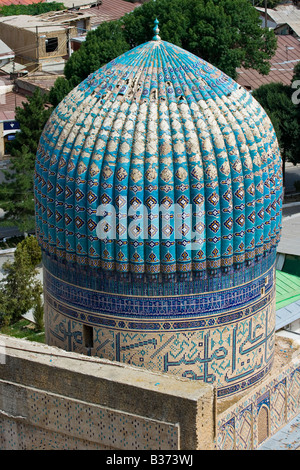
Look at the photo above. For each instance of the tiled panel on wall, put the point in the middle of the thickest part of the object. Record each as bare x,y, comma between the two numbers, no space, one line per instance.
224,338
57,422
253,419
17,435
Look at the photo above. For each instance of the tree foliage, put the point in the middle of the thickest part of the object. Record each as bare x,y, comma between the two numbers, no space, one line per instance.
34,9
16,192
226,33
100,47
60,89
276,99
32,250
20,290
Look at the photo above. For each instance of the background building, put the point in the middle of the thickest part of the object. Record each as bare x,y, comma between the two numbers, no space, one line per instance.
42,42
282,65
284,19
6,54
8,125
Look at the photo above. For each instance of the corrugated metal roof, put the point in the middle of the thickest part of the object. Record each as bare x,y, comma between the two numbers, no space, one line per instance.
287,315
13,67
287,299
294,25
282,65
287,289
9,101
289,243
51,21
110,10
282,13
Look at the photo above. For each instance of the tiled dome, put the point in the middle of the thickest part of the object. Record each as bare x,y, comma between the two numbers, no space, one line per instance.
154,129
159,166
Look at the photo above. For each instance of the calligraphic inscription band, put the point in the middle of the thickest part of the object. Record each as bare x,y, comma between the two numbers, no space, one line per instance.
223,337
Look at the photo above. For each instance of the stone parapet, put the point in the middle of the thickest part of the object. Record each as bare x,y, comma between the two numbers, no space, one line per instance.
55,399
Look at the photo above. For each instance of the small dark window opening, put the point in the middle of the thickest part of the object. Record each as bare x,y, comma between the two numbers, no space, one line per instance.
51,44
88,340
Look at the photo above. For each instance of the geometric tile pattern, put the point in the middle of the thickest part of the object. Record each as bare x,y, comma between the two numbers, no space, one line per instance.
158,193
245,430
279,405
225,338
158,130
294,392
262,414
58,422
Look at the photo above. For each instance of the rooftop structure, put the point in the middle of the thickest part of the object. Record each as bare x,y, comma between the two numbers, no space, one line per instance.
287,55
43,40
284,18
8,104
6,54
46,22
78,4
41,80
110,10
9,100
289,243
19,2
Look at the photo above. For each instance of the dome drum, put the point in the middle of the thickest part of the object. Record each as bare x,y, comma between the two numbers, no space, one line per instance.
215,330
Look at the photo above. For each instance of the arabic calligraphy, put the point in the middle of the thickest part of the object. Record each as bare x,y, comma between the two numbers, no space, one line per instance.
206,358
230,351
259,340
67,334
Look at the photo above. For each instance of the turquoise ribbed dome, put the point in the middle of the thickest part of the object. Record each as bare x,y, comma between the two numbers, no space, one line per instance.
158,163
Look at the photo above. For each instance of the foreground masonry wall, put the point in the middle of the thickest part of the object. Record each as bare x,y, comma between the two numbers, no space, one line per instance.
51,399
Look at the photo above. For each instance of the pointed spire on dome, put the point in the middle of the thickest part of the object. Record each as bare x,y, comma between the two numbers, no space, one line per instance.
156,36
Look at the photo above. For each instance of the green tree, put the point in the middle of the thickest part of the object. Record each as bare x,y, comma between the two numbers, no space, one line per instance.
32,249
100,47
276,99
38,307
20,290
16,192
226,33
60,89
34,9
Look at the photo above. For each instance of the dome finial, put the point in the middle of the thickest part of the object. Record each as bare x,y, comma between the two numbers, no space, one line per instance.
156,37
